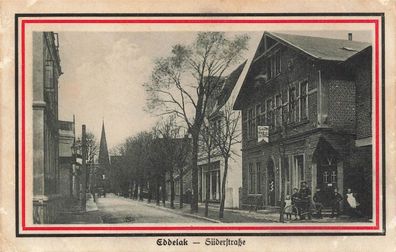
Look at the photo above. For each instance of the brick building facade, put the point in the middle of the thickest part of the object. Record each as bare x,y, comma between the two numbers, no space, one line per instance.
313,98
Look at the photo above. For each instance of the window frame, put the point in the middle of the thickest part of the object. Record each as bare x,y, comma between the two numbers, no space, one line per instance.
251,180
278,110
292,112
273,64
259,180
306,103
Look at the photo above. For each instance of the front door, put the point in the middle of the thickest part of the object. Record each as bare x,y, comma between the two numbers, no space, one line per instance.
271,183
327,178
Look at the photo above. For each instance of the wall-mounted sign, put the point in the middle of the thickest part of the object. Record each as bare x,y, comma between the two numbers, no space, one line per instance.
263,134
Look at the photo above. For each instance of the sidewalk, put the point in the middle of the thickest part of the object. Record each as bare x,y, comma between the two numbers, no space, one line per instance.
243,216
230,215
73,213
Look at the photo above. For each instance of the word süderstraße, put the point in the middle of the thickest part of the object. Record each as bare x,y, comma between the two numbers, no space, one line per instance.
225,242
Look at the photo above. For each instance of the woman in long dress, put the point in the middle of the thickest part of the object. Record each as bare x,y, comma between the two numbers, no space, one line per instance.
352,202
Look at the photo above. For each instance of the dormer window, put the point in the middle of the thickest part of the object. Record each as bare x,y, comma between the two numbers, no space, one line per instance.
273,65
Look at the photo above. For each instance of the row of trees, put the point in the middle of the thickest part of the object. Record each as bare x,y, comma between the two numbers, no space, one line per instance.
151,158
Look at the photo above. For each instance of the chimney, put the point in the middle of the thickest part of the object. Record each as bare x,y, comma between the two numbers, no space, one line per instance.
350,36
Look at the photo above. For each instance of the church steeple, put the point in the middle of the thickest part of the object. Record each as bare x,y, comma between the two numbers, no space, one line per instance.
103,151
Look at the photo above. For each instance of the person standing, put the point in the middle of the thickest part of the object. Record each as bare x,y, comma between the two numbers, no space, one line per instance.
318,202
305,195
336,200
352,203
288,209
295,200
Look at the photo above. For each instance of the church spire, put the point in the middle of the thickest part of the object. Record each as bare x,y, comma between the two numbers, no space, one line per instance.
103,151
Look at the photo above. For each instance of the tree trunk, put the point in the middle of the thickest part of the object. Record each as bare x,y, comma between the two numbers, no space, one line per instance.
207,189
157,193
172,188
181,187
194,168
163,191
149,190
223,193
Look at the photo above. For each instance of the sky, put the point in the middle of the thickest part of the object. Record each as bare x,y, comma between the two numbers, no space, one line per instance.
103,74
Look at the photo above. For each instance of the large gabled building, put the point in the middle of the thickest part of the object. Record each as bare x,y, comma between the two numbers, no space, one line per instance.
306,116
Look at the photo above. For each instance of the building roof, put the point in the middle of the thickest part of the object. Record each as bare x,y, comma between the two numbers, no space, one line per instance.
321,48
227,87
318,48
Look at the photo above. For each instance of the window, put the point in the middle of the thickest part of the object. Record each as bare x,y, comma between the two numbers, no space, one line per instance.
250,123
277,62
258,118
259,177
278,111
214,184
285,110
299,165
270,113
273,66
252,179
264,114
304,100
292,104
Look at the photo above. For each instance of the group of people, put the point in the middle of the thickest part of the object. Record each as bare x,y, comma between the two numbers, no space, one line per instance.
301,204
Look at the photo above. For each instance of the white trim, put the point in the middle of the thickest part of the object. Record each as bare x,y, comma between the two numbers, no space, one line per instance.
364,142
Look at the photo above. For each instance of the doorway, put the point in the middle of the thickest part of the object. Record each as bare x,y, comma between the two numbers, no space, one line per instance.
327,175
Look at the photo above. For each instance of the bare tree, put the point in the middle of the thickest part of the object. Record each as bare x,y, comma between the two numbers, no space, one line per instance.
225,134
182,83
207,147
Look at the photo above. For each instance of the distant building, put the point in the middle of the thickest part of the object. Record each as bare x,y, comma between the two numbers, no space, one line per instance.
306,116
103,172
47,199
211,176
66,158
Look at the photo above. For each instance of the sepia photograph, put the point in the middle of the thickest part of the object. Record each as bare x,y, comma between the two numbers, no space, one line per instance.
197,126
256,127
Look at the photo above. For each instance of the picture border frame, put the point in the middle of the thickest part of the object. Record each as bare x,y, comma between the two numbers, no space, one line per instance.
20,16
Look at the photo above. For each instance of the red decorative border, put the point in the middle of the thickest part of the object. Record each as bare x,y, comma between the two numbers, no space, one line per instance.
24,23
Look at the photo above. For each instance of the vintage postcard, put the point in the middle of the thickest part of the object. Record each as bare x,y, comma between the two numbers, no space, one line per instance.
199,131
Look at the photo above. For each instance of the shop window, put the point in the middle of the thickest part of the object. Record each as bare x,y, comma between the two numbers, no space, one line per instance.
252,179
214,185
259,177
